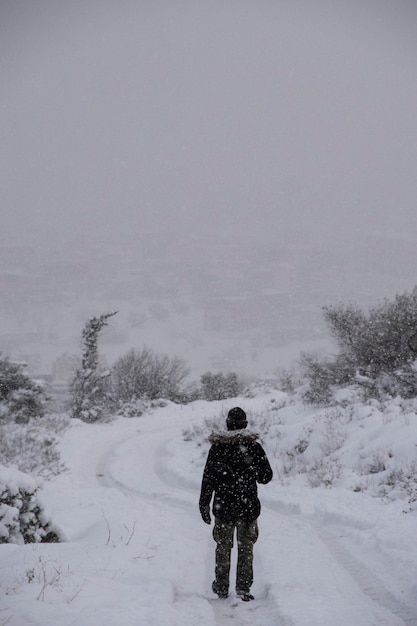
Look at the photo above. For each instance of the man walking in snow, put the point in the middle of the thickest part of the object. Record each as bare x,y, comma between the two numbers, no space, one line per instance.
235,464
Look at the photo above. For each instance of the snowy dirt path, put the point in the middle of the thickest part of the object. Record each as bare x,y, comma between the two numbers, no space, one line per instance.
144,460
303,575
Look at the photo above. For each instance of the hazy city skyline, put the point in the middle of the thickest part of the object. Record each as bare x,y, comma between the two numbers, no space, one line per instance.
286,126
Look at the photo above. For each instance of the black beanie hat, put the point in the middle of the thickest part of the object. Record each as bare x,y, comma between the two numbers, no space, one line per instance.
236,419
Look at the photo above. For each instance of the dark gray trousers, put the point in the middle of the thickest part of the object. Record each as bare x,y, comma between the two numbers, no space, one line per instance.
247,534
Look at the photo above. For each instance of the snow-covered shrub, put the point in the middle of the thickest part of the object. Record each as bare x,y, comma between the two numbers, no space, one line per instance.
288,381
376,349
220,386
256,387
293,459
312,448
135,408
334,434
377,463
33,447
401,382
20,397
324,471
22,518
143,374
190,392
322,376
398,482
200,432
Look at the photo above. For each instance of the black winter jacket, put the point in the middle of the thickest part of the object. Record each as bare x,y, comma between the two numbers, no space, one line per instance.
235,464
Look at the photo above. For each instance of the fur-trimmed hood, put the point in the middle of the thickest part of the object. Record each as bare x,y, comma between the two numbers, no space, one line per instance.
233,436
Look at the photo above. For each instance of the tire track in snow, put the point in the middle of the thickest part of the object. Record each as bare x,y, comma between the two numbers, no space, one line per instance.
365,579
106,479
170,478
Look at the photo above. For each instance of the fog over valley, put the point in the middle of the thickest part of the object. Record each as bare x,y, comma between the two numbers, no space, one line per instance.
214,171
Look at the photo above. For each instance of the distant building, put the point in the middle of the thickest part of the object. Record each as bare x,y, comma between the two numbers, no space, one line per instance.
64,368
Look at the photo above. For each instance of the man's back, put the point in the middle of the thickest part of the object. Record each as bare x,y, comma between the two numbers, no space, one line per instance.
235,464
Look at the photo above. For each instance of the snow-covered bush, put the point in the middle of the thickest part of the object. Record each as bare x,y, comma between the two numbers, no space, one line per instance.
313,449
324,472
144,374
333,434
376,349
401,382
22,518
399,482
135,408
288,380
33,447
220,386
20,397
255,387
321,376
293,458
200,433
376,463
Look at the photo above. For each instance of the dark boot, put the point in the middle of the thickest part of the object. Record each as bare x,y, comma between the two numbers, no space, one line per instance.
222,592
244,595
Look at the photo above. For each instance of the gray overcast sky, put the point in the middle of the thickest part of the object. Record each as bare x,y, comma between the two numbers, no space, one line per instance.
254,118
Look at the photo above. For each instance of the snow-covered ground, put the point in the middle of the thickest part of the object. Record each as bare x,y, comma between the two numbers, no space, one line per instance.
137,552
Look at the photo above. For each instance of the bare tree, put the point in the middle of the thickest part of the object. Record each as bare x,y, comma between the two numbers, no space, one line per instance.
142,373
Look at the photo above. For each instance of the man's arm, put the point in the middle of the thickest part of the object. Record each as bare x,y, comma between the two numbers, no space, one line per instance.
207,488
262,466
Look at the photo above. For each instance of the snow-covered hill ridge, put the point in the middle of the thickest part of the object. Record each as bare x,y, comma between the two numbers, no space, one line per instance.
137,552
